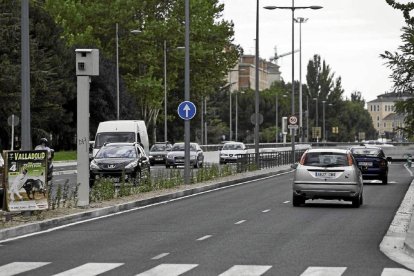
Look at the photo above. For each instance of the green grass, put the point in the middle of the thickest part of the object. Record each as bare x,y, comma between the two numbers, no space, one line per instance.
65,155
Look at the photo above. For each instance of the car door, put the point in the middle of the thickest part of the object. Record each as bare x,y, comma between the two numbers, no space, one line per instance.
143,160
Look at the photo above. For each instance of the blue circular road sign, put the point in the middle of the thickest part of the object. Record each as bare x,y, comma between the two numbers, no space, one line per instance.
186,110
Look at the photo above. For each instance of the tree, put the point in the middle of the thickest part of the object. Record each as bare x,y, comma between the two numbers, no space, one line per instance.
212,51
52,88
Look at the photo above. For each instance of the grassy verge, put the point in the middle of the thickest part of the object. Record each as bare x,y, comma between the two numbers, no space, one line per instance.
64,155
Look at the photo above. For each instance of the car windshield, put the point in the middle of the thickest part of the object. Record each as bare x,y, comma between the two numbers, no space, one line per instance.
180,147
232,147
325,159
116,152
114,137
158,148
366,152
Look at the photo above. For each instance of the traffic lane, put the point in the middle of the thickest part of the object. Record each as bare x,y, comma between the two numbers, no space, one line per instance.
323,233
252,223
142,234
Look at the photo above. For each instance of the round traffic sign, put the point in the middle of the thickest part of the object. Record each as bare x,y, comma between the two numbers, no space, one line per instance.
186,110
13,120
293,120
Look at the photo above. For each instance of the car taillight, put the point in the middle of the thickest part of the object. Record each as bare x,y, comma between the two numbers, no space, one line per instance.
302,159
350,162
383,163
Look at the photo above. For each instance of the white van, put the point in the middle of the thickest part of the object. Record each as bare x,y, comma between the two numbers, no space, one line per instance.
121,131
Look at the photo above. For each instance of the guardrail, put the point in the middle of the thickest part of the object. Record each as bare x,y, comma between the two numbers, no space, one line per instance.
246,162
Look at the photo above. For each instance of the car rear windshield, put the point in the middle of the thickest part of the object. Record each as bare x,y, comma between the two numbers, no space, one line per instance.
117,152
366,152
325,159
180,147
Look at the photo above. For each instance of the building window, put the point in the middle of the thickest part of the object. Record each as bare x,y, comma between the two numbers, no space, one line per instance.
378,125
377,118
385,124
378,108
371,107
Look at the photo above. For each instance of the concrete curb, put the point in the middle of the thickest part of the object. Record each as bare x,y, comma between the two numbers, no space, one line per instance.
398,243
13,232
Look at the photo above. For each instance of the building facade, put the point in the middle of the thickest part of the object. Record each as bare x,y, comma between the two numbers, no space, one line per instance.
243,75
385,120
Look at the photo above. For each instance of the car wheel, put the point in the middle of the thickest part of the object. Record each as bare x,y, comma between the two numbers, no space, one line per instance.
297,200
356,202
384,179
167,166
361,200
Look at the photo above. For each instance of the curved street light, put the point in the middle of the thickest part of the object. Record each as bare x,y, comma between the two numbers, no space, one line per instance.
293,8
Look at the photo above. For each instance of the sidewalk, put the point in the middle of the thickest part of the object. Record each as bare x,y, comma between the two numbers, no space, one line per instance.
398,243
157,197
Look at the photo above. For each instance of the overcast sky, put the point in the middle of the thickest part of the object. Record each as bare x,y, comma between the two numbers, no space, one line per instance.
348,34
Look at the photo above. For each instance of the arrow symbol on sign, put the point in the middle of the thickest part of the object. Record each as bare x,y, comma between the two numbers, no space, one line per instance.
186,109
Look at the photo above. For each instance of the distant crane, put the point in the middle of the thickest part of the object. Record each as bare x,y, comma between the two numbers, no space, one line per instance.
276,57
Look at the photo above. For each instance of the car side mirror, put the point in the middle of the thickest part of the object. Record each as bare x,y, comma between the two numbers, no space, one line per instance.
294,166
389,158
52,153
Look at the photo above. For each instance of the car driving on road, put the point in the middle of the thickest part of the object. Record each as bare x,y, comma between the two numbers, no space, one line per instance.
327,174
176,156
116,160
372,162
158,152
231,151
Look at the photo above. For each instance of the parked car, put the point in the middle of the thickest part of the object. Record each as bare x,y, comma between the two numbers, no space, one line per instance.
380,144
231,151
176,156
327,174
116,160
372,162
158,152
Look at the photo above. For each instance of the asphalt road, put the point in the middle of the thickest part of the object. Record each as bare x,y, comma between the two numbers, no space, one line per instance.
251,227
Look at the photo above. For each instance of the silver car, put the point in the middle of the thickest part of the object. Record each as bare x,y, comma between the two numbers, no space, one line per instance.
327,174
231,151
176,156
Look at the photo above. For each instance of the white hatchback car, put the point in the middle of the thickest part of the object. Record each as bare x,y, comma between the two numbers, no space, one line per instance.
327,174
231,151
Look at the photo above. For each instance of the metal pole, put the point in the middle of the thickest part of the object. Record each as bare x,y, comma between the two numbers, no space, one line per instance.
237,114
165,91
230,115
256,124
205,121
202,121
323,120
300,20
26,143
117,72
307,118
317,111
187,94
293,78
277,117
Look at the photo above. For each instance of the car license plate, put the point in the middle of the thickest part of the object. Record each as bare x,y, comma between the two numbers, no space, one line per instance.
367,164
325,174
159,158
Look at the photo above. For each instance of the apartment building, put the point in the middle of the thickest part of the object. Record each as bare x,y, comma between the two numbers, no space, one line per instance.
384,118
243,75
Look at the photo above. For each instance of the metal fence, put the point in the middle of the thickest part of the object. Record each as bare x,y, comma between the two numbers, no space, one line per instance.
247,162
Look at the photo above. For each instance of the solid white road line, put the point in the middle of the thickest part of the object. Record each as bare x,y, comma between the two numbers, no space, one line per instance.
168,270
323,271
240,222
250,270
204,238
162,255
90,269
19,267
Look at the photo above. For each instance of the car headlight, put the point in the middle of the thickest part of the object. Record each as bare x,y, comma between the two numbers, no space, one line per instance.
131,165
93,165
223,154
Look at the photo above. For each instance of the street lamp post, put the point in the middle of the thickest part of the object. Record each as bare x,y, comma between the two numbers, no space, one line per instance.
323,120
293,8
300,20
117,72
165,91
